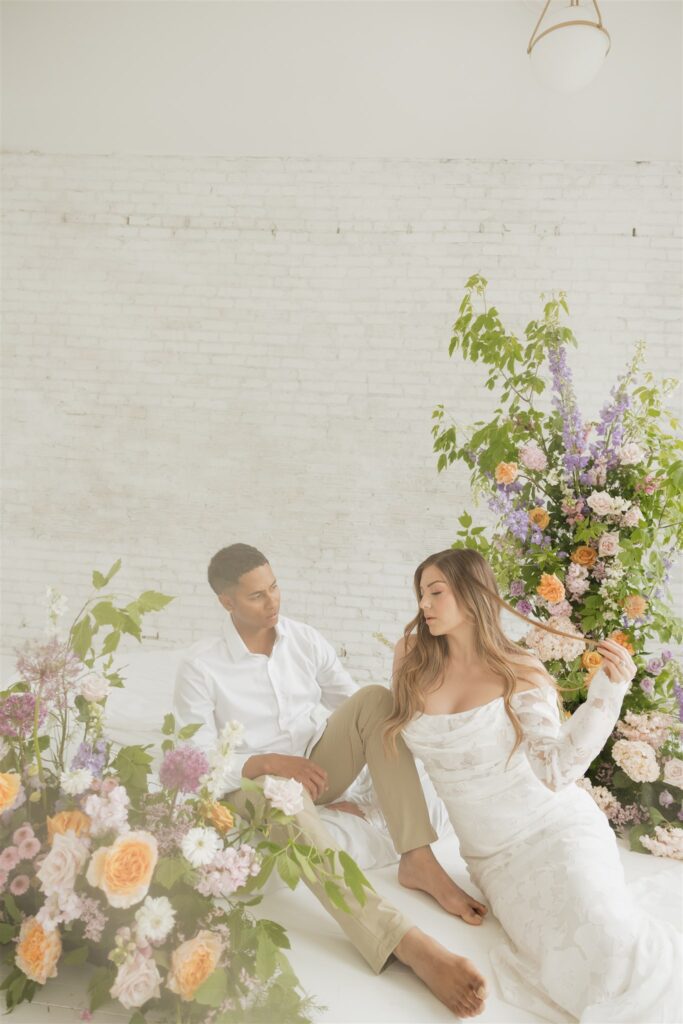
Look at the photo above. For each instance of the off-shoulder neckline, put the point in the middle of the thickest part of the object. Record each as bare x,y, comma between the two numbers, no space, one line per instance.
478,707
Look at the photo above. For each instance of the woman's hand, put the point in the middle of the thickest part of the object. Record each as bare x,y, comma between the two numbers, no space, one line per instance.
616,661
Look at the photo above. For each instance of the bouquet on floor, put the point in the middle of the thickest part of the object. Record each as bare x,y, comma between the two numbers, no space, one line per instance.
150,881
588,519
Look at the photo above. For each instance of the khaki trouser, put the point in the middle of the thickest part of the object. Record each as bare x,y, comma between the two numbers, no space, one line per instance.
353,738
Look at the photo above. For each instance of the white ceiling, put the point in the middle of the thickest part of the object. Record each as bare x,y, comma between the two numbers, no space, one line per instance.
418,79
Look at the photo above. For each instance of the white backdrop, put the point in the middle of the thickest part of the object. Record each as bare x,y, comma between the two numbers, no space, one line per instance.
218,328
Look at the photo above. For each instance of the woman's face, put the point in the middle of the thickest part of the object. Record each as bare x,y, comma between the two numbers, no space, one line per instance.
438,604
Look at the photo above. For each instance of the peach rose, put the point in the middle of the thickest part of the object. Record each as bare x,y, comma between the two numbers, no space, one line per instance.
220,817
10,784
38,951
591,661
550,588
539,517
620,638
506,472
584,555
68,821
192,963
635,606
124,870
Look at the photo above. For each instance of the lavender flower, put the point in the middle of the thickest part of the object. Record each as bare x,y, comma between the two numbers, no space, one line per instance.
183,768
647,685
517,588
665,799
654,666
91,756
678,691
524,607
573,431
17,714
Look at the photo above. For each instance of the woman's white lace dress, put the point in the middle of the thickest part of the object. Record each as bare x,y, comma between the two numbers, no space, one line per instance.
546,859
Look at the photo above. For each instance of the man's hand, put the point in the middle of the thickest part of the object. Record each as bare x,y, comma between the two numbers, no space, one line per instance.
287,767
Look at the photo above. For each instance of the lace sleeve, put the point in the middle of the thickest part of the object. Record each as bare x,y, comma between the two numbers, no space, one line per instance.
559,752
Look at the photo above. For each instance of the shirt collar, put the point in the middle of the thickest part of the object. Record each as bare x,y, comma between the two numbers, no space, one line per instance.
236,645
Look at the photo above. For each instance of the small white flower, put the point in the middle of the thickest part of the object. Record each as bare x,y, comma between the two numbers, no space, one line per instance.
75,782
154,919
200,846
231,736
285,794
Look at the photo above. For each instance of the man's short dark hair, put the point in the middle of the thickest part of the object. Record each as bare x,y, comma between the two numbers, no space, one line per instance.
228,564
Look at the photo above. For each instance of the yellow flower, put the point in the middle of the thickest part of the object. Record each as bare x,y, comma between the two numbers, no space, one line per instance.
539,517
65,821
219,816
635,606
192,963
585,555
124,870
550,588
622,639
10,784
506,472
38,951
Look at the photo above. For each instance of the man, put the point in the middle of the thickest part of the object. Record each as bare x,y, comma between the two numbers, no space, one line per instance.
305,719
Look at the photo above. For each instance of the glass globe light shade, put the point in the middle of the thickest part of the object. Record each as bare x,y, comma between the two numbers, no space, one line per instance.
568,58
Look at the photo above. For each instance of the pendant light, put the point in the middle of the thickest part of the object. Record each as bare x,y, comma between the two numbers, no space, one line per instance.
569,52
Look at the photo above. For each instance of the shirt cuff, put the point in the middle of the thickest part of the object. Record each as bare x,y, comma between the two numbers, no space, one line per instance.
603,687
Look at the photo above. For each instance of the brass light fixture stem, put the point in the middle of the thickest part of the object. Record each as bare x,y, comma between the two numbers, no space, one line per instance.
579,21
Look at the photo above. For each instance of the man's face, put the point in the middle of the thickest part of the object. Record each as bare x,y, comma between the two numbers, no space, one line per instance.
254,601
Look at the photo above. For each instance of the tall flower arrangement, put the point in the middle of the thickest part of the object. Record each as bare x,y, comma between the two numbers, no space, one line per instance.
148,880
588,519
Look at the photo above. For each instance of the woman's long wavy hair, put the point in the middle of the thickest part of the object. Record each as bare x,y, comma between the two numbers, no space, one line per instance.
421,669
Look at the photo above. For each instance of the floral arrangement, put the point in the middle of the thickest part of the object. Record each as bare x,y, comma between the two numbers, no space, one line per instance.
588,518
148,881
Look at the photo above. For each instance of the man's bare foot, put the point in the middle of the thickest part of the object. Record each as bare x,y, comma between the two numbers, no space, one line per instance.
453,979
419,869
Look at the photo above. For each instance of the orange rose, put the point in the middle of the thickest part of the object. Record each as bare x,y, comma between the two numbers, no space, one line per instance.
635,606
10,783
550,588
68,821
192,963
621,638
584,555
591,660
124,870
220,817
539,517
506,472
38,951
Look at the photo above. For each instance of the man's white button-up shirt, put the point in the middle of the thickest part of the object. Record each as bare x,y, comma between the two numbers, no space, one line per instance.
282,700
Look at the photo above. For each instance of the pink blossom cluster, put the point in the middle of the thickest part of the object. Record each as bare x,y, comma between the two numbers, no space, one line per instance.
25,846
576,580
654,727
229,870
549,647
108,809
666,842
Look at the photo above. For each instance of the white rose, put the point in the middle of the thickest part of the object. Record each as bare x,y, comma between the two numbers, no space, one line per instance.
93,687
601,503
608,544
630,454
285,794
66,859
137,981
673,772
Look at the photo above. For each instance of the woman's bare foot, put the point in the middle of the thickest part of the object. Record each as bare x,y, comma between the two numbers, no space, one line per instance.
419,869
453,979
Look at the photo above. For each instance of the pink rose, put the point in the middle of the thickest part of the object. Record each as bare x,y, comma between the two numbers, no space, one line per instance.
608,544
137,981
93,687
601,503
531,456
63,863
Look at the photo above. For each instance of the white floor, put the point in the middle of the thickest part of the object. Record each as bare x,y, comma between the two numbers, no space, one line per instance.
331,970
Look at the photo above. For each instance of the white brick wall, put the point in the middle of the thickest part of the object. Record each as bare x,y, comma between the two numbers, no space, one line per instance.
199,351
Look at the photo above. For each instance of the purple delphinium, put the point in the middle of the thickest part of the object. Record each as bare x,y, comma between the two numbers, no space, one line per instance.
17,715
183,767
678,691
610,427
91,756
564,401
516,520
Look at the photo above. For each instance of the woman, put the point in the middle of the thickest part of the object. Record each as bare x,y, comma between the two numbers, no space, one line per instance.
482,714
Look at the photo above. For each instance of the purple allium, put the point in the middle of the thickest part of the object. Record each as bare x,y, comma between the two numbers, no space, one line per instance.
17,714
665,799
91,756
654,666
50,669
183,767
517,588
